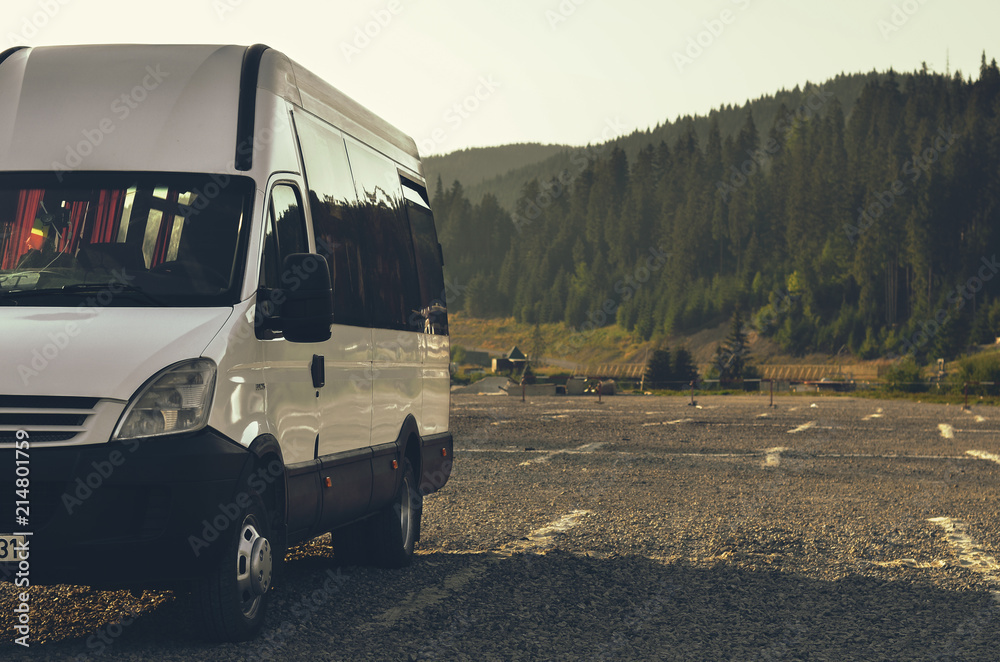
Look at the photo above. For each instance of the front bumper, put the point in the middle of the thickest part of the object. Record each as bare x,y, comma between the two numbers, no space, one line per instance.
125,513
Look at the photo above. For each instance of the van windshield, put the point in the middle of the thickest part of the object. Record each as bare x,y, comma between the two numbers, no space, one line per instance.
152,239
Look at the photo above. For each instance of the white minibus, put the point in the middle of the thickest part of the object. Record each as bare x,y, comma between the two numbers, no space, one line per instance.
223,327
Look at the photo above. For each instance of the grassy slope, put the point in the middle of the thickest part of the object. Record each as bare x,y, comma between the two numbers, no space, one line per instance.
610,344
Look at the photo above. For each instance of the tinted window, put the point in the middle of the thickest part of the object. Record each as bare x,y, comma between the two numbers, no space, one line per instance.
433,314
393,294
336,223
284,233
152,239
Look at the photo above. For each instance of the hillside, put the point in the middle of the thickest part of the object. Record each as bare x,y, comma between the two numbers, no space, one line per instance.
866,226
562,347
476,165
503,171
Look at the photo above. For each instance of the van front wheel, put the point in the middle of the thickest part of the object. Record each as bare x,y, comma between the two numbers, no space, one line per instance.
232,600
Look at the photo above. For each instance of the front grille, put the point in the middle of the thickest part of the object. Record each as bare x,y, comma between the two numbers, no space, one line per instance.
45,418
10,438
61,420
45,402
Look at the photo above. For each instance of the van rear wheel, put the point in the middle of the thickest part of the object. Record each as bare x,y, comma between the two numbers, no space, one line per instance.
396,527
231,601
386,539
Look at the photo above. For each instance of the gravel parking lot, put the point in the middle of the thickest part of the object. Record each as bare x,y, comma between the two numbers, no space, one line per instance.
638,528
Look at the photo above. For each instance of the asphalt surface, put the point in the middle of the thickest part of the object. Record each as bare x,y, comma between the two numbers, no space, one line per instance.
633,529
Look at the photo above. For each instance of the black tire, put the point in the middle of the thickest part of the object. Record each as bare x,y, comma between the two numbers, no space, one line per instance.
230,603
395,529
386,539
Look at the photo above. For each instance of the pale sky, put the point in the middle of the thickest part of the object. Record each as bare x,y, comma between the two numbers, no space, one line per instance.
467,73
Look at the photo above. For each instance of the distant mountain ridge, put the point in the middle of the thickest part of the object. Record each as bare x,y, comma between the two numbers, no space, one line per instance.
860,215
477,164
503,171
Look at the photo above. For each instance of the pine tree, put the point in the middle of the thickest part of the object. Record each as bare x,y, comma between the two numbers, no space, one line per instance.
684,368
731,357
659,371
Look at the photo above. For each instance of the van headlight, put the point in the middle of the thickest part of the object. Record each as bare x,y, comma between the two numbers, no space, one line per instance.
176,400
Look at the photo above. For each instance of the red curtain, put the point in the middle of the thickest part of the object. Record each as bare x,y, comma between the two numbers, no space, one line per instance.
27,209
77,213
109,217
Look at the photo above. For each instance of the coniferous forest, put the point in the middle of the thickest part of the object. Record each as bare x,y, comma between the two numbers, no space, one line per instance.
874,227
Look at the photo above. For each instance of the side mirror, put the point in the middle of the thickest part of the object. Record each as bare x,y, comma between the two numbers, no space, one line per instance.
307,312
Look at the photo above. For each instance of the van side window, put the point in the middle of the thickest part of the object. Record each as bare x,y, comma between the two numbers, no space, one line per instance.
336,223
433,304
284,234
394,293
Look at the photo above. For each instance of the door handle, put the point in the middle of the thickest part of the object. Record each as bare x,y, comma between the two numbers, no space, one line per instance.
318,370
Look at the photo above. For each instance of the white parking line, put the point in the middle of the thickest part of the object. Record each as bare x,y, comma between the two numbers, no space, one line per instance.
538,541
751,454
772,457
542,540
586,448
677,422
803,427
983,455
947,431
970,555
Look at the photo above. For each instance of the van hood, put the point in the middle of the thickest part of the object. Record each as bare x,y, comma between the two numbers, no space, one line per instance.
103,353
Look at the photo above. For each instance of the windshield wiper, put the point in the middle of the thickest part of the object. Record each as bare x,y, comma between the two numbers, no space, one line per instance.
89,288
113,290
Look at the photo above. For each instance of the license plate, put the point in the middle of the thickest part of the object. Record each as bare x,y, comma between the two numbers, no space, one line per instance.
9,546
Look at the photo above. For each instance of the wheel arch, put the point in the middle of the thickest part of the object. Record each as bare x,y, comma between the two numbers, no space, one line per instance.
408,443
272,484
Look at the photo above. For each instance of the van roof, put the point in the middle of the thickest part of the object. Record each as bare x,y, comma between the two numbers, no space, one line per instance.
160,107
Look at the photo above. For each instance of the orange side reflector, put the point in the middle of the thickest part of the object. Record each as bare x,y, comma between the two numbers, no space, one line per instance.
329,483
395,464
444,452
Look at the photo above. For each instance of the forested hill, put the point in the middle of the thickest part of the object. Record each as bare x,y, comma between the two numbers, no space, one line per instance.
875,230
478,164
503,171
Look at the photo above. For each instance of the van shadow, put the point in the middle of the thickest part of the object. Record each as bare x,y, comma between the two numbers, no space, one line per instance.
562,606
